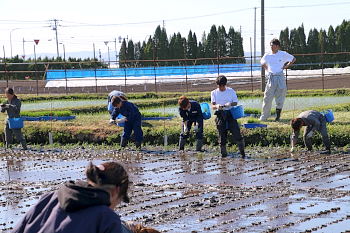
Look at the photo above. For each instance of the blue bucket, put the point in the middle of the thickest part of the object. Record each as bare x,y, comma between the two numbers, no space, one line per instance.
328,114
237,112
120,124
110,107
205,110
15,123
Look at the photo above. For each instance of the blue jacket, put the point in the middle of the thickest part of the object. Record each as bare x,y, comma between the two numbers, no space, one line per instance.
76,207
129,110
194,114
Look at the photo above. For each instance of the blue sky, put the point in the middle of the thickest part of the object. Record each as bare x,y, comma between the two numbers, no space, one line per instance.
84,23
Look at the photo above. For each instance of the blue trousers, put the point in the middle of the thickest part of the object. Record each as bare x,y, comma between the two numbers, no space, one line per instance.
136,126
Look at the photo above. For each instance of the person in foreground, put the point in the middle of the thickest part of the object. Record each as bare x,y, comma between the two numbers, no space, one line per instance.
222,99
191,113
81,206
274,62
13,109
132,118
314,121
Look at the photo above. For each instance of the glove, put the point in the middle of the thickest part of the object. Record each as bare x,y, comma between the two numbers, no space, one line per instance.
292,149
121,120
310,134
185,129
227,105
219,107
111,122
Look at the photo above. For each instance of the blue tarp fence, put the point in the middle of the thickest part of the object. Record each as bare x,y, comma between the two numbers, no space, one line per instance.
150,71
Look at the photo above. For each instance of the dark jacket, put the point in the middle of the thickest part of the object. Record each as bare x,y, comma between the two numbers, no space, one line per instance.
129,110
194,114
76,207
14,108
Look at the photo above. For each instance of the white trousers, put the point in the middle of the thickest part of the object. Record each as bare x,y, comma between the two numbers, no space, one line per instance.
270,93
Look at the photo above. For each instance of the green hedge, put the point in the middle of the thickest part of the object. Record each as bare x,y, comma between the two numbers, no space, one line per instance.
276,136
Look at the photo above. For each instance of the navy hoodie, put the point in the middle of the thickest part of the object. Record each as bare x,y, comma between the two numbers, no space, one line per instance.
76,207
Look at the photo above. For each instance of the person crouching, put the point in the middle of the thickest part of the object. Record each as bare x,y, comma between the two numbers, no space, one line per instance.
132,119
191,113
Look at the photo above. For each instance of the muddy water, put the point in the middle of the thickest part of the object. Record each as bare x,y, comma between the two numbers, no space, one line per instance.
271,190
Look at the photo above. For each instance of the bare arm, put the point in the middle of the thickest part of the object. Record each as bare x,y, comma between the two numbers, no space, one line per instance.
289,64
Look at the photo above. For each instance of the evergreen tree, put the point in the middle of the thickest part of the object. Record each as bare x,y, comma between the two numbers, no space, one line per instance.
130,53
211,44
284,40
313,47
179,47
330,46
191,46
223,41
163,47
149,52
122,51
172,48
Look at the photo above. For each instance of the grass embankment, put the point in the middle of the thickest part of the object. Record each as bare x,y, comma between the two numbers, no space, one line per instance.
91,124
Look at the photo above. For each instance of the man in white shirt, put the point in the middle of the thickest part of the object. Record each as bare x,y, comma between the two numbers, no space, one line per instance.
222,99
274,63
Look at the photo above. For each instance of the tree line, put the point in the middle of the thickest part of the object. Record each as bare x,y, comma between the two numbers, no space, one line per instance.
54,64
331,41
162,47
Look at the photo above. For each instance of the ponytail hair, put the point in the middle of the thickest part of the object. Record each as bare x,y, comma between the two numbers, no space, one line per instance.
10,91
123,97
107,176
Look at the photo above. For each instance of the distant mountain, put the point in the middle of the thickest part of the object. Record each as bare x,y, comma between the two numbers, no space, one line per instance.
82,55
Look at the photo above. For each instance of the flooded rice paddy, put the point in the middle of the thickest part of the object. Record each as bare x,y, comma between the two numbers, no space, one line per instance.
300,103
270,191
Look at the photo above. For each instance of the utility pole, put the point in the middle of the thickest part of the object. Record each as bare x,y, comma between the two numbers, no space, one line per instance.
254,34
55,28
262,44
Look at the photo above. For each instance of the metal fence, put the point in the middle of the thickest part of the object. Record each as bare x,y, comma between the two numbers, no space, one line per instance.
134,77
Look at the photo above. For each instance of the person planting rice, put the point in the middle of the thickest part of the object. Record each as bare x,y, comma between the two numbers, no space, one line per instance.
222,99
132,118
314,121
274,63
191,113
12,107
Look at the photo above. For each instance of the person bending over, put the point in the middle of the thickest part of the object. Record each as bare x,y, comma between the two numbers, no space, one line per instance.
191,113
314,121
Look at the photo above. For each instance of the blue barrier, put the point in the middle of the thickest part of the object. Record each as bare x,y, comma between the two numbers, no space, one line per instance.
48,118
148,71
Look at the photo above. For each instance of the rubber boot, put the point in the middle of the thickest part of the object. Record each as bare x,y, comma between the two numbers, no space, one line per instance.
278,114
182,144
241,148
223,151
308,144
199,144
24,144
8,145
123,143
327,143
138,145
